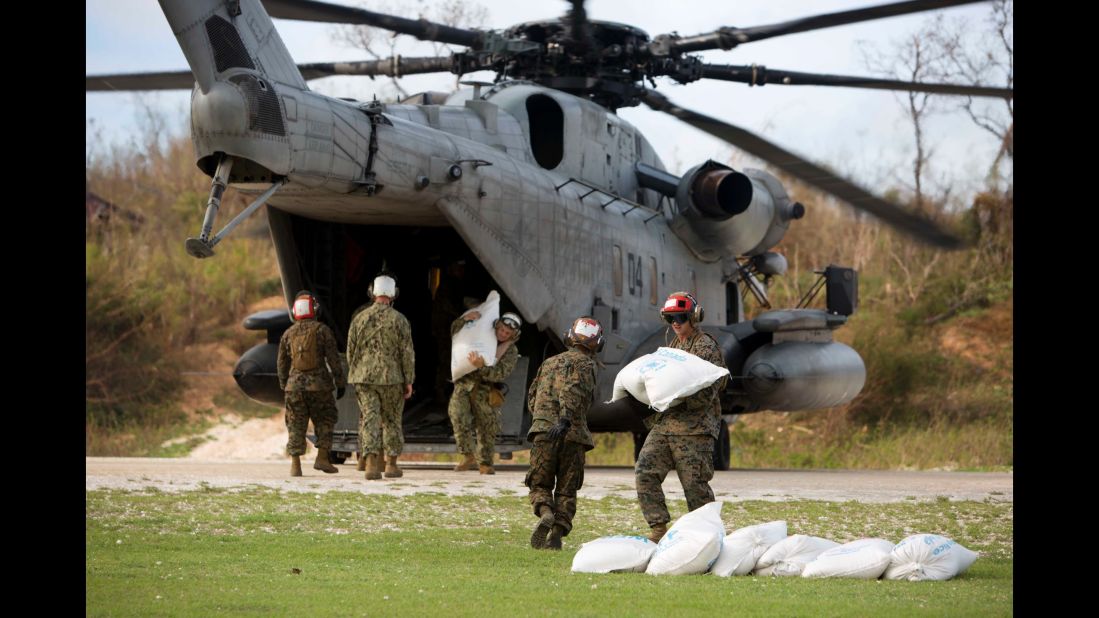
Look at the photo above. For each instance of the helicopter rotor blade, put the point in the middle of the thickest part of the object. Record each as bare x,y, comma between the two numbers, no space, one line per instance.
808,172
395,66
759,75
578,24
170,80
310,10
730,37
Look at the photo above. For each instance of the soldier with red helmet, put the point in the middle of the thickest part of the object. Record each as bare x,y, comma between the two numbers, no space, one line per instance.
309,368
681,438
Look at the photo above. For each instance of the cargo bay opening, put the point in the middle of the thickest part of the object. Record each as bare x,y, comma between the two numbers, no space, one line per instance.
338,262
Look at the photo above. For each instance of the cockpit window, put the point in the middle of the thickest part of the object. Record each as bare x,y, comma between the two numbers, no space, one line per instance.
547,130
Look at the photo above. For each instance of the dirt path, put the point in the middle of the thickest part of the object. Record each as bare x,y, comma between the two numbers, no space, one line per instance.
735,485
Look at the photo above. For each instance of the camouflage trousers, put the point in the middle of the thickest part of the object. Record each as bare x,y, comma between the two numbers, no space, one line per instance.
692,457
381,408
557,462
470,413
303,406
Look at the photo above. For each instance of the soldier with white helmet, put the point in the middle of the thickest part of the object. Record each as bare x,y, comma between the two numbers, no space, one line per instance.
382,367
309,368
476,401
559,398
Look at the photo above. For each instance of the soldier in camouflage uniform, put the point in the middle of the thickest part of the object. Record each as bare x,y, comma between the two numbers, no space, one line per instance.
682,437
382,368
558,400
309,368
469,408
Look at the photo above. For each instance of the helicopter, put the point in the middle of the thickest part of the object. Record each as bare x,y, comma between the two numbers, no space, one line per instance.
535,182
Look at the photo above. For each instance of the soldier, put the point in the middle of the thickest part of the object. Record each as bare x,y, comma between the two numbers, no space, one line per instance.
309,368
682,437
470,406
382,368
558,399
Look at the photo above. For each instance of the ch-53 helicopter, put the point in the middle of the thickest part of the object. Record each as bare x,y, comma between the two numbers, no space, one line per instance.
534,182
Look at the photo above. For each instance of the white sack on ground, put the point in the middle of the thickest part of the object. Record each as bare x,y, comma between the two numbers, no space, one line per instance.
614,554
861,559
741,549
476,336
927,557
691,544
788,557
665,377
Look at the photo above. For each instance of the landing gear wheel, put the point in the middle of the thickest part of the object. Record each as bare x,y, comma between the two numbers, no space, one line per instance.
337,457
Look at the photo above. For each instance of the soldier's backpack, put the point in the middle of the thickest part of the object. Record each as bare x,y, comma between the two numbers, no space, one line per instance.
303,349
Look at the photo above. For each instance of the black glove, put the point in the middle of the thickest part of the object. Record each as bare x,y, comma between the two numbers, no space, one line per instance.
340,391
559,430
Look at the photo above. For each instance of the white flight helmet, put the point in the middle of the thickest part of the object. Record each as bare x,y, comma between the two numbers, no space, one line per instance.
383,285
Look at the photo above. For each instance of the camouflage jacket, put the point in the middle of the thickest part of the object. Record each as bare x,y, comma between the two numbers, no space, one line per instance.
379,347
563,387
700,413
324,372
496,373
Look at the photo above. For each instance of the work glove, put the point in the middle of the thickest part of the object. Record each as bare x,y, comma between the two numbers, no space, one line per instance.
559,430
340,391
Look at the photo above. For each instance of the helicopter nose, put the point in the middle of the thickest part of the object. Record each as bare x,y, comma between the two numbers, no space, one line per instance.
222,109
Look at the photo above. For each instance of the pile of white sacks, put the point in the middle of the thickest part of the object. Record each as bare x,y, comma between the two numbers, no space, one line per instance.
697,544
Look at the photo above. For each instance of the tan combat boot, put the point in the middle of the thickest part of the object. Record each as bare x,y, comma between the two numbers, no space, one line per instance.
391,469
361,466
373,467
322,462
295,465
487,469
468,463
538,537
659,530
553,541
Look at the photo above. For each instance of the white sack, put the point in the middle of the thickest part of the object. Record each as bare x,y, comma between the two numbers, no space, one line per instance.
665,377
741,549
614,554
476,336
861,559
926,557
788,557
691,544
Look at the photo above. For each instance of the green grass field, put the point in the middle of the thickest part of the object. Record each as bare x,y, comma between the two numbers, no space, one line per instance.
265,552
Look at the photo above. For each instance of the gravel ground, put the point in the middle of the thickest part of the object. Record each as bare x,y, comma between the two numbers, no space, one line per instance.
192,473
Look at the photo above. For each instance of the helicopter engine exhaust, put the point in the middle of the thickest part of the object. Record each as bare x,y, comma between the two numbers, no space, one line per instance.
722,211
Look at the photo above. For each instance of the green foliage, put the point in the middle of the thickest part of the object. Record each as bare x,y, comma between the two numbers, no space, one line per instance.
147,300
265,552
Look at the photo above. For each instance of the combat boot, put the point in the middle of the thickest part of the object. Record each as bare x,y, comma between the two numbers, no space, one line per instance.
469,463
391,469
322,462
487,469
538,538
295,465
361,466
373,467
659,530
553,541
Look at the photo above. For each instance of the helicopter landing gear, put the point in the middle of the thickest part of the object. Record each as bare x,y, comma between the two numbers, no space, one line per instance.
203,246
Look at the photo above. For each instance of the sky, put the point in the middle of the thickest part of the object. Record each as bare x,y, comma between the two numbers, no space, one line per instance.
861,133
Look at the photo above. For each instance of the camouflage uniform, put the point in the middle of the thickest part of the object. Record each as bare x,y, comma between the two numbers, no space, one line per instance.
469,409
381,361
306,352
564,387
682,439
